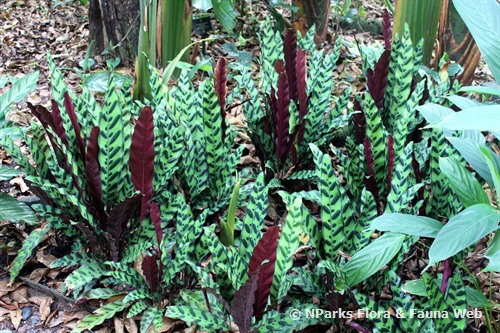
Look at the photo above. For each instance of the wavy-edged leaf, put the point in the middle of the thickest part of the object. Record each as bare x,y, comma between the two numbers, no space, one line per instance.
281,114
467,188
150,269
137,308
136,295
220,82
204,319
254,218
142,158
24,253
99,316
377,79
263,261
14,210
73,259
287,244
19,89
242,308
386,29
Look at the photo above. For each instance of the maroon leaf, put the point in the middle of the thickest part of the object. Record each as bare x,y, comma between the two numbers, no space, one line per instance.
58,123
70,110
42,114
281,115
155,218
377,80
91,235
336,300
386,29
290,52
242,308
358,327
93,176
142,155
118,217
220,82
265,250
390,161
359,124
150,270
370,181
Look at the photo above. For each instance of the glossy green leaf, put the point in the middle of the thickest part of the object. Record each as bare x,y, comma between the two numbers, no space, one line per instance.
493,254
470,151
463,230
468,189
13,210
29,244
18,91
482,118
488,90
224,10
407,224
7,173
481,18
373,257
493,167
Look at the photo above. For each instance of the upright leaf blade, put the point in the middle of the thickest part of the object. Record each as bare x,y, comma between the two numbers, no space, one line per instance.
264,251
142,158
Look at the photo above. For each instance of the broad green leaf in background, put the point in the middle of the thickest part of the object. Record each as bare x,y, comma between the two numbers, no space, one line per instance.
373,257
13,210
434,113
482,118
489,157
493,254
407,224
463,102
471,152
468,189
483,21
98,81
224,10
7,173
463,230
15,133
18,91
203,5
169,70
493,90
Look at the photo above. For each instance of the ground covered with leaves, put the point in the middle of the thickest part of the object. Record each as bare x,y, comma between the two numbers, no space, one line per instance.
30,29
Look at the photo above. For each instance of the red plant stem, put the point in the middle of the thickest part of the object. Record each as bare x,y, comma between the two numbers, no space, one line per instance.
446,274
206,299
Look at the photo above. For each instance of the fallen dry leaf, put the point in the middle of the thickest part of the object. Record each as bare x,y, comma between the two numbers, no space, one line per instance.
20,295
19,181
45,258
118,324
131,326
65,317
15,318
44,303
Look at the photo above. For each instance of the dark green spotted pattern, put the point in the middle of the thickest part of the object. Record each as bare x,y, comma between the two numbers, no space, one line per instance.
398,81
254,218
114,144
